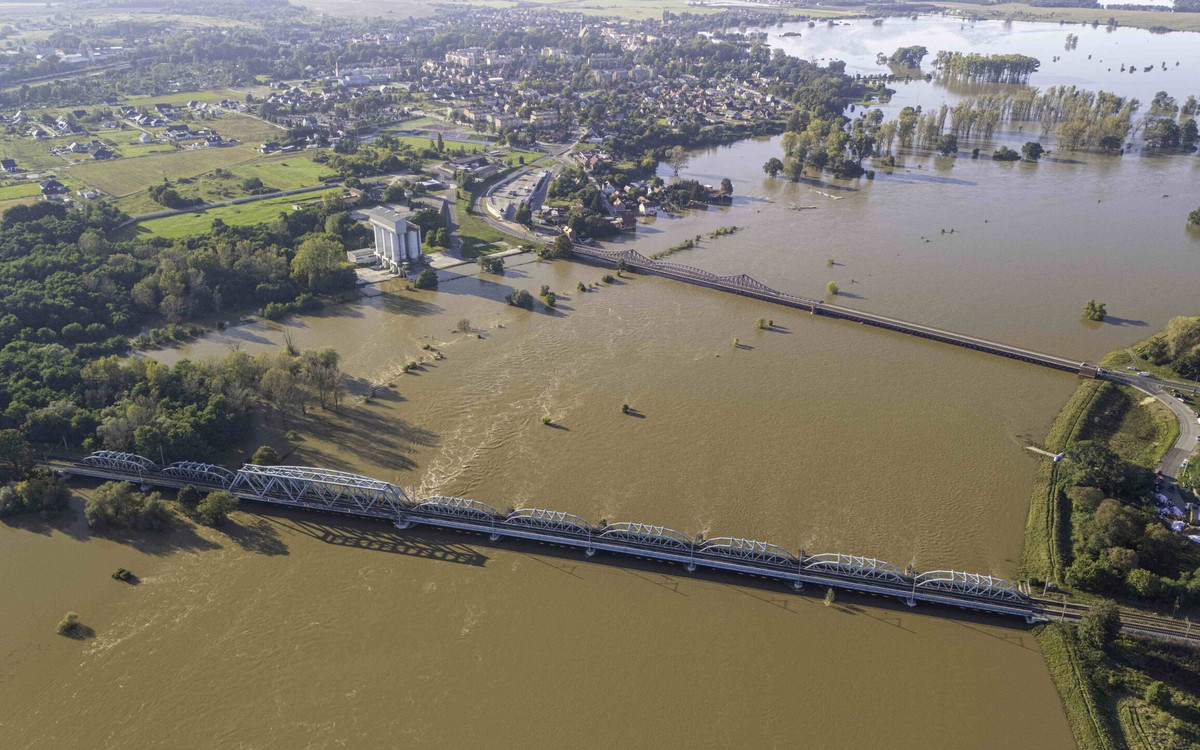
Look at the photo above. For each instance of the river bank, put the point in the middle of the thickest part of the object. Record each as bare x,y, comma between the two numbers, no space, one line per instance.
1104,691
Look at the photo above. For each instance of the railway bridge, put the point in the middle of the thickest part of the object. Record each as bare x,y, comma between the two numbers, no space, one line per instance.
330,491
354,495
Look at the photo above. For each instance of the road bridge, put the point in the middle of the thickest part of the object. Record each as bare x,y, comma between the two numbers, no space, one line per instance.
746,286
327,490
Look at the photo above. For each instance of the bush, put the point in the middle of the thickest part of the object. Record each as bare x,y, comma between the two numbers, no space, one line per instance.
1006,154
69,625
608,278
1194,218
265,456
41,493
1158,695
1144,584
832,288
490,264
520,298
121,574
1099,625
115,505
188,496
214,510
427,279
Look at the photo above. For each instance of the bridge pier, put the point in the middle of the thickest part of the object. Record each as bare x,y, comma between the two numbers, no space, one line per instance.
798,585
911,602
494,537
402,524
591,552
691,567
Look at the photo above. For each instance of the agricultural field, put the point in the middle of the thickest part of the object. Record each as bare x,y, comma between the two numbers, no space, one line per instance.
185,225
31,155
125,176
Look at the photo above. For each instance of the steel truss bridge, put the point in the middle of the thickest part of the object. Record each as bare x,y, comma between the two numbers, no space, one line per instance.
351,494
746,286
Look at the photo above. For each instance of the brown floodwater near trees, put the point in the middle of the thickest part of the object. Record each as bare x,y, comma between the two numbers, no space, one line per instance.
298,630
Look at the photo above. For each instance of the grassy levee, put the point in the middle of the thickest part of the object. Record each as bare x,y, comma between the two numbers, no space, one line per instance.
1047,531
1090,723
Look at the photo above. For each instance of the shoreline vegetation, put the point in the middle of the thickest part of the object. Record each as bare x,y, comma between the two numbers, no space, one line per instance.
1124,692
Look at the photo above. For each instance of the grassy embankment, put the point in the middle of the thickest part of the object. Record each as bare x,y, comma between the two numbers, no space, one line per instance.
1102,692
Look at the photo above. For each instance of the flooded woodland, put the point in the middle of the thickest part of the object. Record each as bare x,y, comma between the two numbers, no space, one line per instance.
290,629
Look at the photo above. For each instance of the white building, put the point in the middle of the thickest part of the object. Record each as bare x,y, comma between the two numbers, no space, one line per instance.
397,240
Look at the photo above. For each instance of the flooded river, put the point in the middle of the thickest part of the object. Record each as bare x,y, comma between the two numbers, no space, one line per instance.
295,630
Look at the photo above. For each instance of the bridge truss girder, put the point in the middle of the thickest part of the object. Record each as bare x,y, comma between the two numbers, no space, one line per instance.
854,565
130,462
972,584
324,488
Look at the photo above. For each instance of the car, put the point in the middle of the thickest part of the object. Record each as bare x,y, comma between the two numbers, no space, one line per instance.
1143,374
1131,368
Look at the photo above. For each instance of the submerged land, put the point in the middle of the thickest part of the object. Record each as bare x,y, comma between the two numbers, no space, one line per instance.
189,273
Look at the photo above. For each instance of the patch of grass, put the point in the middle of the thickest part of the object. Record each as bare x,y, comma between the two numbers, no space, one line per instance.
1083,704
285,172
125,176
1047,528
1132,423
20,190
258,212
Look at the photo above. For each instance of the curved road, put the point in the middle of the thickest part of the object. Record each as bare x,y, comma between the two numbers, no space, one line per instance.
1189,428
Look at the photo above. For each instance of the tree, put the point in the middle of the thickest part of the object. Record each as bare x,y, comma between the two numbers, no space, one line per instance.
1094,464
214,510
1006,154
520,298
317,260
1093,310
278,384
1144,584
562,247
677,158
1189,134
265,456
772,167
1100,624
832,287
1158,695
441,145
1194,218
947,144
1162,133
188,496
726,186
1032,150
524,215
909,57
427,279
41,493
15,453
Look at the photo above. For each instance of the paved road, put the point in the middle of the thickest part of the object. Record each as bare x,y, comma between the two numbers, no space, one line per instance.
1189,428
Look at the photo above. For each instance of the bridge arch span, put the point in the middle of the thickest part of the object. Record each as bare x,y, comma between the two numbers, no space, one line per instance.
854,565
971,584
118,461
643,533
750,550
552,520
458,507
195,471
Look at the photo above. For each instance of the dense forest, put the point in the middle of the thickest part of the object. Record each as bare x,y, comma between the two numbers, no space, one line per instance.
72,300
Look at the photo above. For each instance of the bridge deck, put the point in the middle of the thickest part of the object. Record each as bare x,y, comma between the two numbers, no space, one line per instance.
798,570
747,287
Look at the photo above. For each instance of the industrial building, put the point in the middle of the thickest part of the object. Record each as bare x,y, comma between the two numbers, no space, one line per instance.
397,240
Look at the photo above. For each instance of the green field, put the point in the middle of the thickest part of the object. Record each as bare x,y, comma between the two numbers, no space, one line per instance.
20,190
186,225
125,176
284,172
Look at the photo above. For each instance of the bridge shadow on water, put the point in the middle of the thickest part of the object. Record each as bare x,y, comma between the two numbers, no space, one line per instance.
360,534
